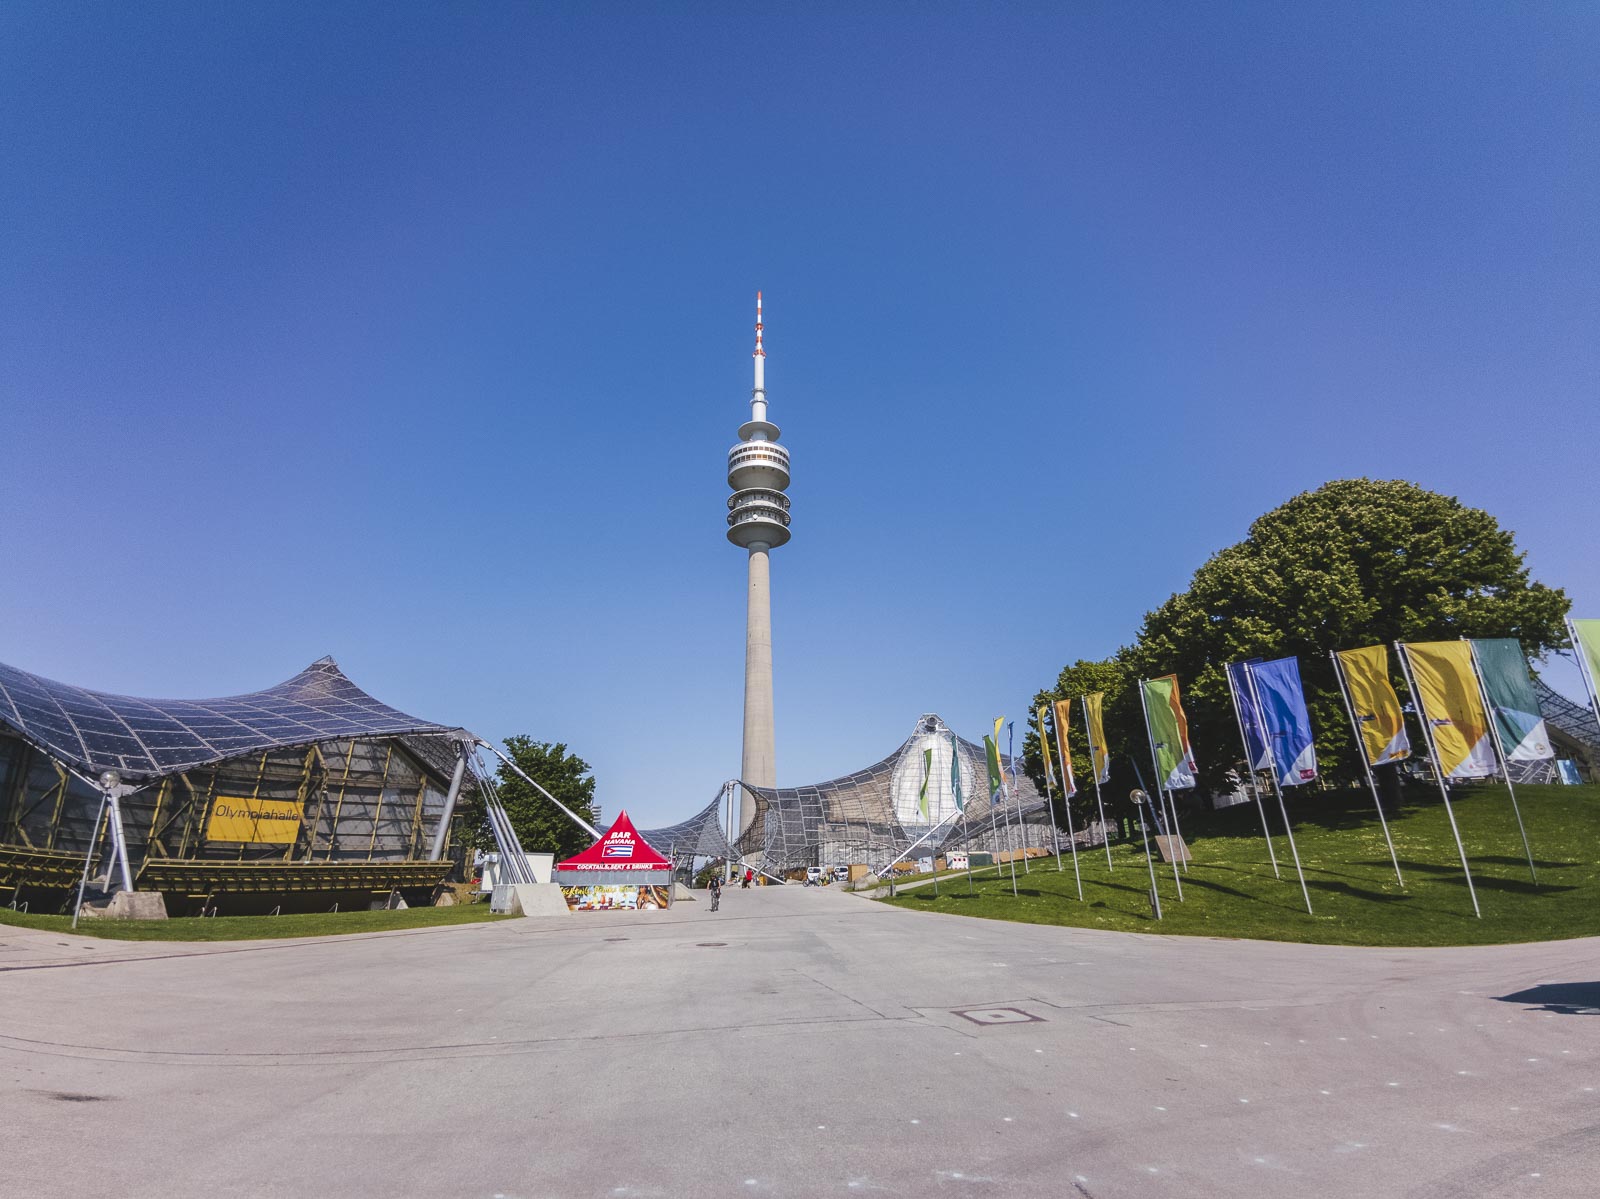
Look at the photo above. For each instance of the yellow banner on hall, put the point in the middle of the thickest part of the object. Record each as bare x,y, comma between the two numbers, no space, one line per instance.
1375,705
1447,689
257,821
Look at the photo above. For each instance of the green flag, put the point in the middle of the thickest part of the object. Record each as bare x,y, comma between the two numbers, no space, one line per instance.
922,796
1169,732
1586,643
955,775
1513,706
997,778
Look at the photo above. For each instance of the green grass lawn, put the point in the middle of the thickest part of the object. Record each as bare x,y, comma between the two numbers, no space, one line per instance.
1229,890
254,928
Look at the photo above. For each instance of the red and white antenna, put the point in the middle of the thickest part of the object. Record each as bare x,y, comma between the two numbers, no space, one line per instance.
760,353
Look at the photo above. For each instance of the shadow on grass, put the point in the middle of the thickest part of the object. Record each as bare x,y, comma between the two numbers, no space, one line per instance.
1339,888
1567,999
1195,880
1489,882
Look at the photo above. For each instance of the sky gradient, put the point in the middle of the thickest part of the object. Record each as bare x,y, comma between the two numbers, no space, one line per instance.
417,334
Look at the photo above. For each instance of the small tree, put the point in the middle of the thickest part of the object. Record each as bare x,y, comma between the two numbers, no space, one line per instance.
539,824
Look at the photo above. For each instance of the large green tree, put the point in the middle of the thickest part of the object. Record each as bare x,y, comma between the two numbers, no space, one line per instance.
540,825
1355,562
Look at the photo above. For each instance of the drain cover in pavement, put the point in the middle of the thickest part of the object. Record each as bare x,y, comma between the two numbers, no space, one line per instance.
998,1015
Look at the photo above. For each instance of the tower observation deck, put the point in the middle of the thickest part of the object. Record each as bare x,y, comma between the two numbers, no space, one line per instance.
758,522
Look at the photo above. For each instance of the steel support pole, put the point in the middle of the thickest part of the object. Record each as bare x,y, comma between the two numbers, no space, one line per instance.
1499,748
118,840
88,858
1250,771
1277,789
1088,738
1361,752
450,802
1438,773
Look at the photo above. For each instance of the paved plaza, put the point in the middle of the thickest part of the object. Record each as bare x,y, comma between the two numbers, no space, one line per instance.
798,1042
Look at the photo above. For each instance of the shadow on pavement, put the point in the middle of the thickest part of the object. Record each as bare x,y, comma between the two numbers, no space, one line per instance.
1569,999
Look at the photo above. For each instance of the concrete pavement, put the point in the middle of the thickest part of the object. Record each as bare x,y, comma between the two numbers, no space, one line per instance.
798,1042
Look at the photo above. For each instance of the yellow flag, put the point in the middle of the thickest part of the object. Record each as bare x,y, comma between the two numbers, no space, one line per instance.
1064,722
1044,746
1375,704
1099,755
1447,691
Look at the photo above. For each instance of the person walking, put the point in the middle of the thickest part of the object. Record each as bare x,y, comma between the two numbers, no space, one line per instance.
716,892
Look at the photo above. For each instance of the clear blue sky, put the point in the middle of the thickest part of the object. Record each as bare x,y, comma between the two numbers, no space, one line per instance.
417,334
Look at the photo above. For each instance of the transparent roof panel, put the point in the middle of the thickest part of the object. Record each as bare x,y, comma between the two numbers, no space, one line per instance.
93,731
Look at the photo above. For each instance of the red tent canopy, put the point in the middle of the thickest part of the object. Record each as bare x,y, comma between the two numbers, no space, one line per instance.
622,848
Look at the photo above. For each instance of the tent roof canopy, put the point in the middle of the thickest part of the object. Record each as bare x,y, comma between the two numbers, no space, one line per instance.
143,739
621,848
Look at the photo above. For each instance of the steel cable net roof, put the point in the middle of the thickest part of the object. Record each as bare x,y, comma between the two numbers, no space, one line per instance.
876,813
1575,720
701,835
142,739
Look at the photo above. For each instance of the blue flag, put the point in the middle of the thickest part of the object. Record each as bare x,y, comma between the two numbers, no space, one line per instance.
1250,723
1287,723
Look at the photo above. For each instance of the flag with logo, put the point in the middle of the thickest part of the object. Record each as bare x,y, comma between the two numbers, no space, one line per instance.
955,775
1250,723
1285,720
1586,644
1374,704
1063,710
1447,694
1169,732
922,795
1099,755
1512,702
997,778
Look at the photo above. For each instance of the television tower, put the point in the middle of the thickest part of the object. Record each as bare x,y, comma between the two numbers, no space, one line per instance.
758,521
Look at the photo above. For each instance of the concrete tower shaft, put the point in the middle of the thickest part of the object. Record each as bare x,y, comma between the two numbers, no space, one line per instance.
758,522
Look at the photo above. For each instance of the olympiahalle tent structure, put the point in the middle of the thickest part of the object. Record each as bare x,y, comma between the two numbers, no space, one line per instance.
339,795
875,814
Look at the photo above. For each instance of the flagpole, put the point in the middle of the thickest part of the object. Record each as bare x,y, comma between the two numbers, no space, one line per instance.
1088,737
1001,791
1139,808
1499,748
1022,825
1438,771
1277,789
1155,765
1049,799
1361,751
1250,769
955,790
1066,804
1591,685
